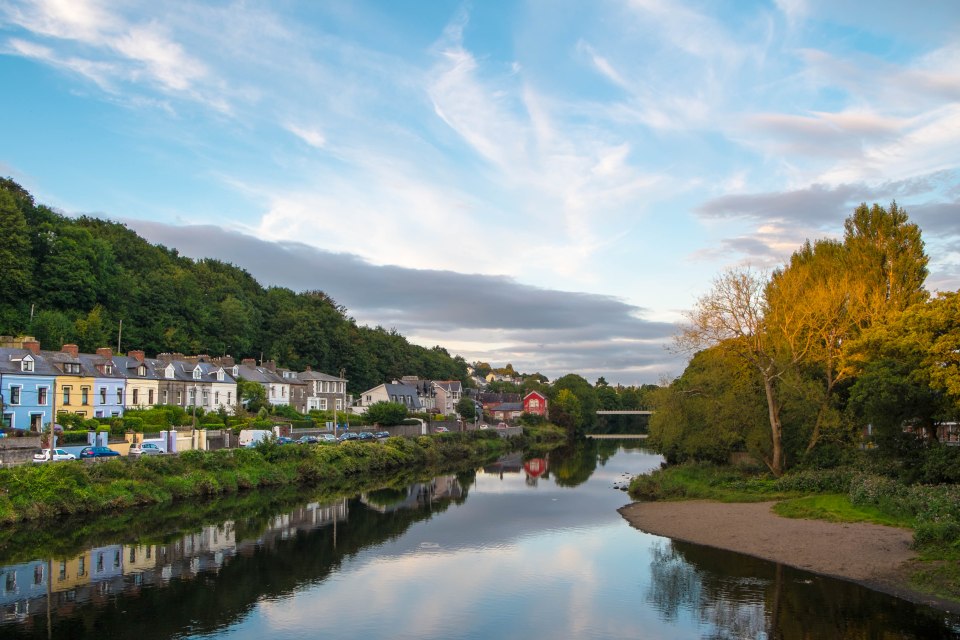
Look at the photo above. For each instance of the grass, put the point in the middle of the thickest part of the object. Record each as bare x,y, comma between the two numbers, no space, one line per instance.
835,507
706,482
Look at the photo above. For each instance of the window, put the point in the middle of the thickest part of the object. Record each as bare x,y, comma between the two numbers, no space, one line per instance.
216,397
273,391
323,404
103,395
66,395
206,397
283,391
108,369
26,364
168,372
163,397
150,397
14,395
193,396
339,404
10,584
119,396
41,396
180,397
142,370
63,569
84,395
136,397
196,373
82,565
228,397
71,367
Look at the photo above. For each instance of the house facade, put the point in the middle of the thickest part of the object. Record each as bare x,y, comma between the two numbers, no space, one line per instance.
404,394
143,383
448,394
109,383
324,392
27,384
535,403
74,384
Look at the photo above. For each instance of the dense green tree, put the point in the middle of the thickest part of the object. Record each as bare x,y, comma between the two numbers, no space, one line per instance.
467,409
16,261
387,413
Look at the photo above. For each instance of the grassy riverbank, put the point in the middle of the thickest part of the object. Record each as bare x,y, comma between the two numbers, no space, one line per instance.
33,492
854,493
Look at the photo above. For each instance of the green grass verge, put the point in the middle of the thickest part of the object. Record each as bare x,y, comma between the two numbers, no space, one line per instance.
835,507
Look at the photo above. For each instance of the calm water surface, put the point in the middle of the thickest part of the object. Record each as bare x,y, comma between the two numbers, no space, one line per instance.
519,549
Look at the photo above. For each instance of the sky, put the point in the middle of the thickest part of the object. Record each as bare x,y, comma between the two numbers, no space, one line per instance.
549,184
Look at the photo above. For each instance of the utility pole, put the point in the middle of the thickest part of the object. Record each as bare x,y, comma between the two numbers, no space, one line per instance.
119,333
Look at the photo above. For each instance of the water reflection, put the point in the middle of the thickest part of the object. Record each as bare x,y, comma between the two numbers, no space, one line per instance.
737,596
522,546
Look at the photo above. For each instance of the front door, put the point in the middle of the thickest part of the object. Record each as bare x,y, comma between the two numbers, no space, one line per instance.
36,422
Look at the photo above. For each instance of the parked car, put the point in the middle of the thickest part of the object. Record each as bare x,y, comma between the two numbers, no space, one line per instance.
366,435
382,434
308,440
484,426
145,449
43,455
327,437
441,430
285,440
97,452
347,435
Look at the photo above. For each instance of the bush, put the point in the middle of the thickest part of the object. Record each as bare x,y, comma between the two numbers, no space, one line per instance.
73,437
91,425
936,533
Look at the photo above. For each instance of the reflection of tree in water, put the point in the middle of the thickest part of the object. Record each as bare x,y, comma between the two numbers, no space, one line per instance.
574,464
742,597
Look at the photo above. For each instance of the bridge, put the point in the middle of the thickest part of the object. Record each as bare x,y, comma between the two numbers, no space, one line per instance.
625,413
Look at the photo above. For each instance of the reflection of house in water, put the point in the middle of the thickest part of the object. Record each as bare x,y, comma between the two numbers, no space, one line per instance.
94,575
286,526
534,468
511,463
414,496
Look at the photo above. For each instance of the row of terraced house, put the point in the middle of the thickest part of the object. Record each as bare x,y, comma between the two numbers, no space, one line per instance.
37,385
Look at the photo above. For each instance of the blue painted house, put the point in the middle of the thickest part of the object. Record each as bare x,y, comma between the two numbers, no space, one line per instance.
27,387
109,385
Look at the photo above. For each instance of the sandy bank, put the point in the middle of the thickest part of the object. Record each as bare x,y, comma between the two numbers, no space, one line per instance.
877,556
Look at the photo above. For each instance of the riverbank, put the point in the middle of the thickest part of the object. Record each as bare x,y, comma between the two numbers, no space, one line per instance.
55,490
839,522
876,556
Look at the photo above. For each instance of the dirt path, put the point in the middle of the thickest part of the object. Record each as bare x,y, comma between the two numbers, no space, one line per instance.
877,556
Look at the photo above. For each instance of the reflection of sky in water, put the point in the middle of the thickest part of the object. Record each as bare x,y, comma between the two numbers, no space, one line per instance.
514,560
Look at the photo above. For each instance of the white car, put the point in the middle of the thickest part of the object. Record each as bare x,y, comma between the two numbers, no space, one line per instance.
145,449
58,454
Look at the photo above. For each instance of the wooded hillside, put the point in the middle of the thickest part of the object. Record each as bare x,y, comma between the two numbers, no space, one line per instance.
83,275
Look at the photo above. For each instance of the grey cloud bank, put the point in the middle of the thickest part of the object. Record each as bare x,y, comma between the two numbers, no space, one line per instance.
550,331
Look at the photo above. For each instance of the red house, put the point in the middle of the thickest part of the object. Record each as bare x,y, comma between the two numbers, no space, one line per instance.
535,403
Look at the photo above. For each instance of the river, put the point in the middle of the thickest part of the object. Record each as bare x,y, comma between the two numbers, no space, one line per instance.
519,549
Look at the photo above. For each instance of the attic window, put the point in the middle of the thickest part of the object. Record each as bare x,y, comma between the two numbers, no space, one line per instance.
220,375
236,370
26,364
142,370
71,367
196,373
108,368
168,372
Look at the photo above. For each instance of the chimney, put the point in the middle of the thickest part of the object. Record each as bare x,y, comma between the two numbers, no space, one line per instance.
136,355
71,349
33,346
105,352
249,362
225,361
190,359
203,357
165,358
270,365
309,368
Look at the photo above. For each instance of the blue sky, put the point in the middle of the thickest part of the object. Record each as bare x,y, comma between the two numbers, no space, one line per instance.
548,184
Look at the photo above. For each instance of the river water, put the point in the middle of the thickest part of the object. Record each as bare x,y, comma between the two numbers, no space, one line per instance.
519,549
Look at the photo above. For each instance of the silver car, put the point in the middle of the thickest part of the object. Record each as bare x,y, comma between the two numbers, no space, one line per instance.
145,449
58,454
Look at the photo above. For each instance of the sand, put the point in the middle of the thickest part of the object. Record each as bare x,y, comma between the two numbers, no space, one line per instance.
874,555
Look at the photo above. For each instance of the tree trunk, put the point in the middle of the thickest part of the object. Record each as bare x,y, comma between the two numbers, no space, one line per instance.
776,429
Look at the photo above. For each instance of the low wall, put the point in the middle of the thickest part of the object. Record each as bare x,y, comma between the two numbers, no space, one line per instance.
14,451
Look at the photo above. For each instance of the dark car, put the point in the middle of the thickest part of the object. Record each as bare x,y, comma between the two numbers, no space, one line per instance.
382,434
97,452
308,440
285,440
366,435
347,435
